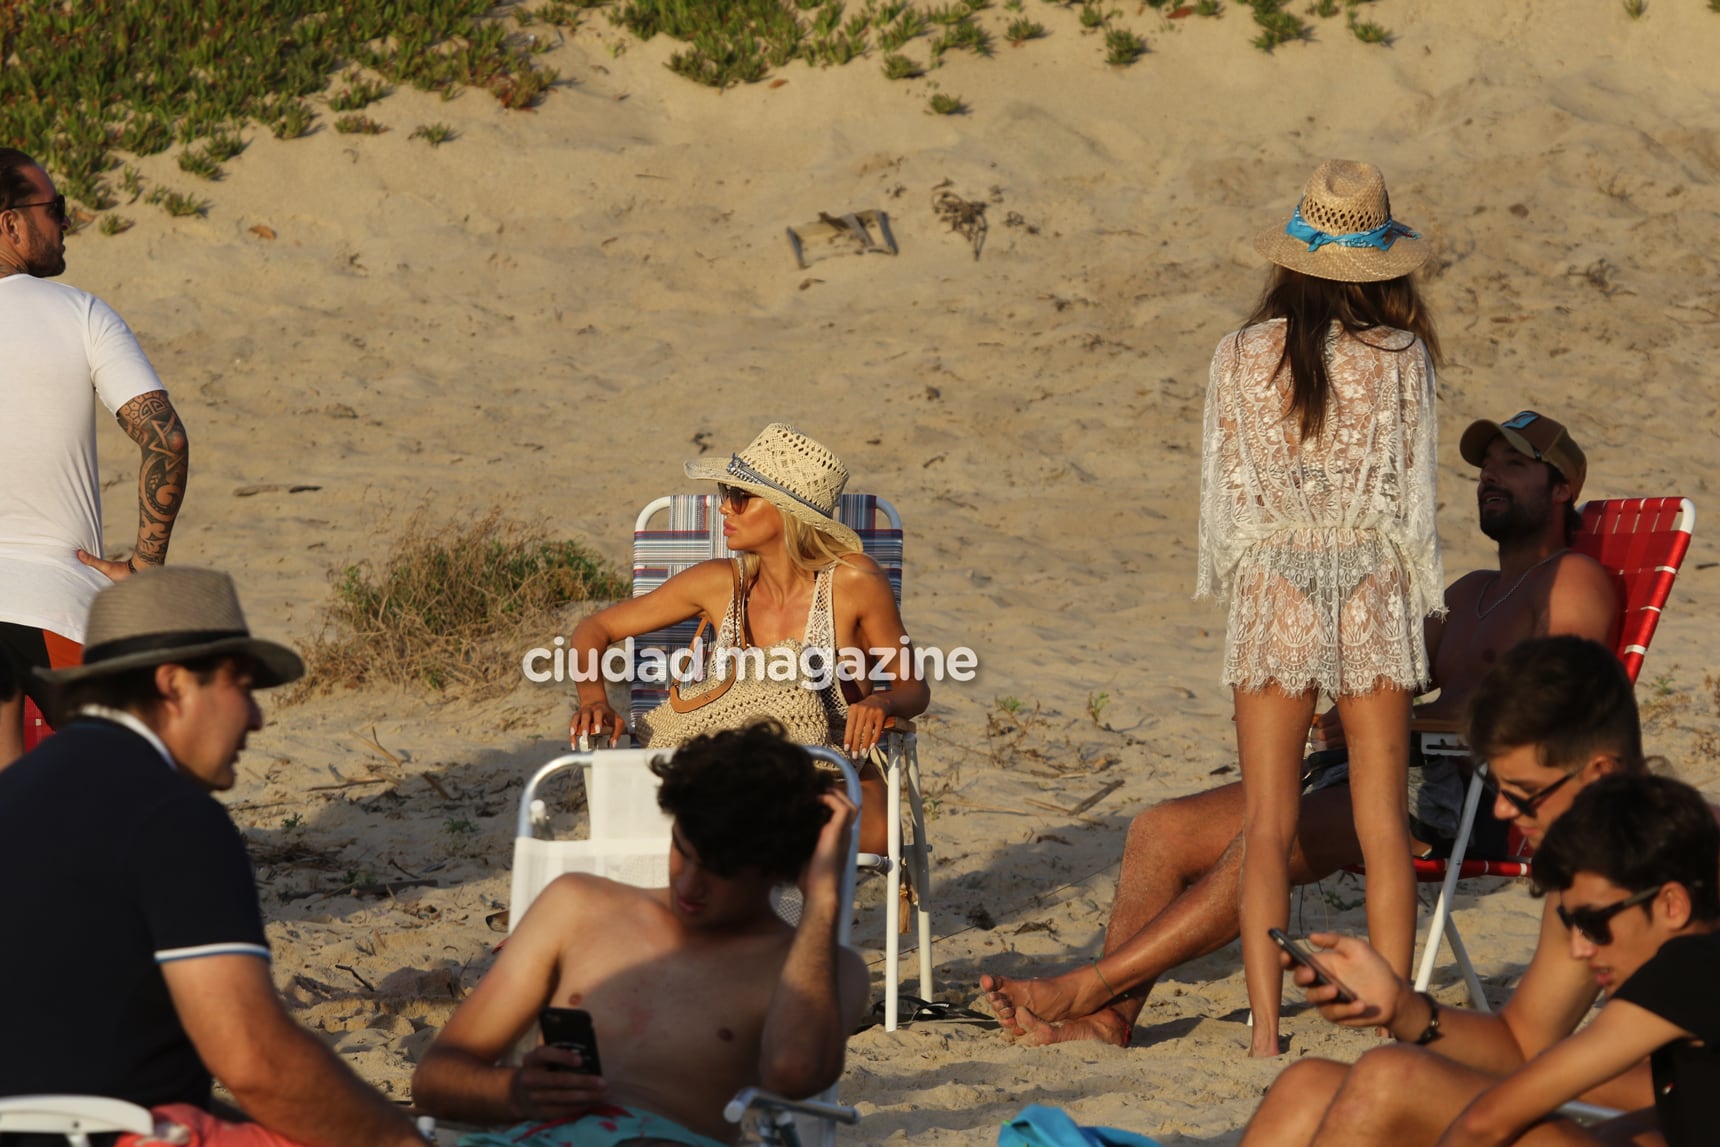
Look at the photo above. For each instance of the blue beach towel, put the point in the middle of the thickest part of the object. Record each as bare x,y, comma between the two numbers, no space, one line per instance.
1039,1126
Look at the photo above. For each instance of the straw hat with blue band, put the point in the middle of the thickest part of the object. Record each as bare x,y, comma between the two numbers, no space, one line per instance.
1343,229
791,472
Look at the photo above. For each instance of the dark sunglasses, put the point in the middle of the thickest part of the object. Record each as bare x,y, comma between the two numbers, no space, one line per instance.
734,497
1596,923
56,207
1525,806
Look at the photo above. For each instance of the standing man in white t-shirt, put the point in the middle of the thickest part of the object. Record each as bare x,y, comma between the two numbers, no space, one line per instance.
64,348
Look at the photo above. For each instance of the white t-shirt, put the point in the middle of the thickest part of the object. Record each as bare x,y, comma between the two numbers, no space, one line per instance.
63,349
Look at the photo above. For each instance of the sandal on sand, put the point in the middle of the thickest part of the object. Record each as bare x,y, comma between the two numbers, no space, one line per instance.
911,1009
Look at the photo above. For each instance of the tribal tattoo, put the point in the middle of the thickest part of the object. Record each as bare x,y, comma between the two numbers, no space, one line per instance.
151,422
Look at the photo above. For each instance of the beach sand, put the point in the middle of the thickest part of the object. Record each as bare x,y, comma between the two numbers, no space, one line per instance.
546,312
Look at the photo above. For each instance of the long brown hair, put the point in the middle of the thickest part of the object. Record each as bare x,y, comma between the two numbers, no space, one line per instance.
1309,306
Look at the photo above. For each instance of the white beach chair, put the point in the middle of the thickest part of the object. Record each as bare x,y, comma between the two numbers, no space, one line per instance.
692,532
628,841
76,1117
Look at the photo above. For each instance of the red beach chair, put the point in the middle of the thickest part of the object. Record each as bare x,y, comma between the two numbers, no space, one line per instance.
1641,542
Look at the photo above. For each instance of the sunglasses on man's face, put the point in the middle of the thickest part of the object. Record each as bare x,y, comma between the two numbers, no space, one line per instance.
1525,806
1596,923
734,497
56,207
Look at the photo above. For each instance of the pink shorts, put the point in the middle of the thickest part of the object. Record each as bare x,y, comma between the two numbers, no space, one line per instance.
186,1126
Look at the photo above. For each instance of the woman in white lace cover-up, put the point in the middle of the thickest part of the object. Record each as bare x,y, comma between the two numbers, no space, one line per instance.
1317,522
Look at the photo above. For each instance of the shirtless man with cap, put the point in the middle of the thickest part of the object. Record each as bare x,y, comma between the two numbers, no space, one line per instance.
1177,892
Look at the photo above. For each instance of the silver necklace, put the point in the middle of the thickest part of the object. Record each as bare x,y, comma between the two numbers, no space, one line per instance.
1483,614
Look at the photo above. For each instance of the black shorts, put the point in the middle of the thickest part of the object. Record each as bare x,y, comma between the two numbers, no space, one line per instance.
1488,840
23,648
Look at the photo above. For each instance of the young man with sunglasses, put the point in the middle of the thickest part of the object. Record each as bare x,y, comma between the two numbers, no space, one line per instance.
1177,894
1632,866
1553,717
64,349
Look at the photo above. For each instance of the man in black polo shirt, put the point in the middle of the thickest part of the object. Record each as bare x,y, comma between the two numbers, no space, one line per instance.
134,935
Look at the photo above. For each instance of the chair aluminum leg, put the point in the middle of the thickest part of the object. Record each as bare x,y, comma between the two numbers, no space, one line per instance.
1442,907
893,885
1477,998
921,854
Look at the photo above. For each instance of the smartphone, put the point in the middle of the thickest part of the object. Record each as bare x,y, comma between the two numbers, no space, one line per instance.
570,1029
1303,956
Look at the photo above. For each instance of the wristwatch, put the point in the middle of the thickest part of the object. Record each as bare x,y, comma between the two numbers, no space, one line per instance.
1431,1032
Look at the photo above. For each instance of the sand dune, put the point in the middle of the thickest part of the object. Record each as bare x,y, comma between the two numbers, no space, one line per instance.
546,311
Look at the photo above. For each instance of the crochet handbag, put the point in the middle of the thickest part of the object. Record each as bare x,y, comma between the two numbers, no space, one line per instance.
809,716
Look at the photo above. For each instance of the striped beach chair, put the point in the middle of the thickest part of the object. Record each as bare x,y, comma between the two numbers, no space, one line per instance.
677,531
1641,542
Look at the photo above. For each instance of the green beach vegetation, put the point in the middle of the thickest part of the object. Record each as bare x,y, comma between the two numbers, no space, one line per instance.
86,79
86,83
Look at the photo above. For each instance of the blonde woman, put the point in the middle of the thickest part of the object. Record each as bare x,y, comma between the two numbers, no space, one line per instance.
1317,522
799,583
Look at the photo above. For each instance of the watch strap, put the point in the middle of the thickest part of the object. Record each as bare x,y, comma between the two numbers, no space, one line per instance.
1431,1032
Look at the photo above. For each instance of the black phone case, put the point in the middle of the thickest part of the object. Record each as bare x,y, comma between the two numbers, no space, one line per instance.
570,1029
1306,958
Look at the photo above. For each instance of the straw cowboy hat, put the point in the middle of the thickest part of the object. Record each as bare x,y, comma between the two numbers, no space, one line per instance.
792,473
1343,229
172,614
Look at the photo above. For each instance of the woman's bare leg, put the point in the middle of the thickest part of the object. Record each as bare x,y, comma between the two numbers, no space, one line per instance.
1271,731
1376,727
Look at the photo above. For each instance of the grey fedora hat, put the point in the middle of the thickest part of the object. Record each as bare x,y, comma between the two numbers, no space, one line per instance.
172,614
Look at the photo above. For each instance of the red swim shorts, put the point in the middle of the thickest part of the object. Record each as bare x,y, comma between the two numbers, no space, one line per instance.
186,1126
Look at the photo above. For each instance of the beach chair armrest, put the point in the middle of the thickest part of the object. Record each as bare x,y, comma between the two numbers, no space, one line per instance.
73,1115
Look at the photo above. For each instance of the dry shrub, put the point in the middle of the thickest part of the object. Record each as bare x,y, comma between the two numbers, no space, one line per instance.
452,605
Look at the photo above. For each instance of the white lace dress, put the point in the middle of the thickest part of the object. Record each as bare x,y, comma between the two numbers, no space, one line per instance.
1326,549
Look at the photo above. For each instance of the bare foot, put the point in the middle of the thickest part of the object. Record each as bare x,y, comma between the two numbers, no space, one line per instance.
1022,1024
1053,999
1103,1026
996,990
1266,1047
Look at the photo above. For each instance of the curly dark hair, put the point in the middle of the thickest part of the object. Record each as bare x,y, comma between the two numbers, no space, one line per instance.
745,797
1637,832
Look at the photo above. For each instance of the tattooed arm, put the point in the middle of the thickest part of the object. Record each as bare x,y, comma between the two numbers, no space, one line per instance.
151,422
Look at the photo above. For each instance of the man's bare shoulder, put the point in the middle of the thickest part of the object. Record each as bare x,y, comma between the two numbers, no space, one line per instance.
577,895
1581,569
1582,599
